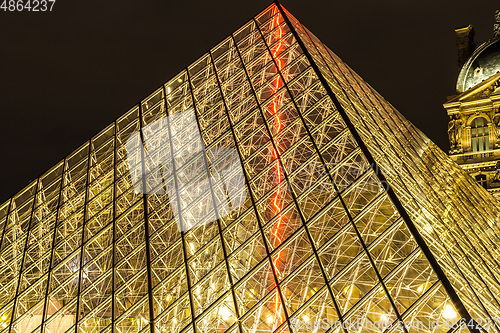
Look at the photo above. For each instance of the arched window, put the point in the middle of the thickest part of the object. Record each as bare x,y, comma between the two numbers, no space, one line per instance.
479,135
481,180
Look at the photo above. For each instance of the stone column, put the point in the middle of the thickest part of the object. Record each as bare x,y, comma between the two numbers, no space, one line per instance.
466,139
492,135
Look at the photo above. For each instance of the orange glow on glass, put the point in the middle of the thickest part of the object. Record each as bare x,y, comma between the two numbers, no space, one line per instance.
278,208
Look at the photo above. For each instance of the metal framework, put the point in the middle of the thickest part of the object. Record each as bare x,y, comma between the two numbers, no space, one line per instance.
354,221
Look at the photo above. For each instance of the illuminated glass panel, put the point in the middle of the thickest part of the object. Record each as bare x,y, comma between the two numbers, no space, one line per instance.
479,135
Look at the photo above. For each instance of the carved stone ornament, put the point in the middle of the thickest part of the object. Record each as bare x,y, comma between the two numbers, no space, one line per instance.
451,133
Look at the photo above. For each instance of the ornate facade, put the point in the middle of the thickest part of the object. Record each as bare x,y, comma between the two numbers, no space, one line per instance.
474,126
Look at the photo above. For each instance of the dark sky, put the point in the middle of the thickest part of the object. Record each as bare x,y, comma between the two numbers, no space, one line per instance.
66,74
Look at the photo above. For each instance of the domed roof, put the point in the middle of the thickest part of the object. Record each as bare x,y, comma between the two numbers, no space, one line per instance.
482,64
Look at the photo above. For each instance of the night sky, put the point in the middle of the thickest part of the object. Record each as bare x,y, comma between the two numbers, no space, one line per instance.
66,74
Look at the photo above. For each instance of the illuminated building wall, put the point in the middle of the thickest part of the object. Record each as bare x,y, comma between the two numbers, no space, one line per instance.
348,213
474,111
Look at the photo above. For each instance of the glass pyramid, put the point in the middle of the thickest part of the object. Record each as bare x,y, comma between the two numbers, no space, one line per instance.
266,188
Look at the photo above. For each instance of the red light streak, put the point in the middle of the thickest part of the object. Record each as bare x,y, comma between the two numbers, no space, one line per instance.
279,175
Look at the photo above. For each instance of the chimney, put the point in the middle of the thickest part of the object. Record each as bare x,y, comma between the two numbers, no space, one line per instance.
465,43
496,25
